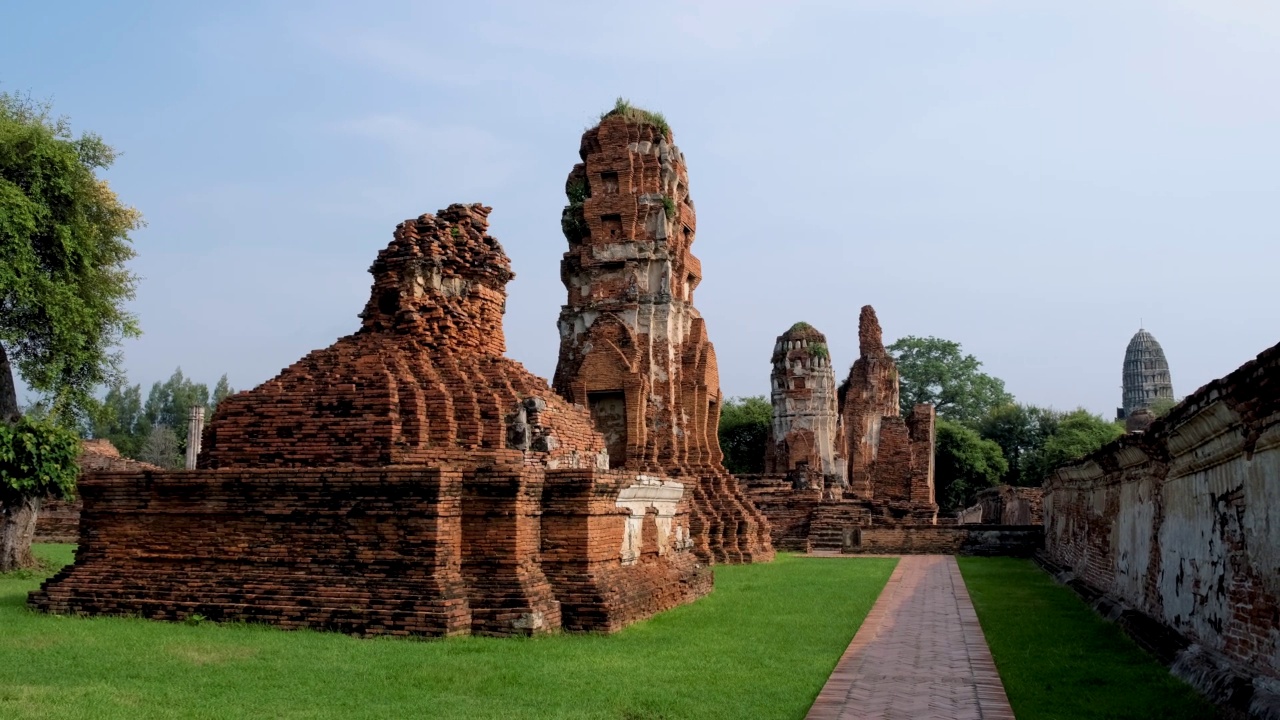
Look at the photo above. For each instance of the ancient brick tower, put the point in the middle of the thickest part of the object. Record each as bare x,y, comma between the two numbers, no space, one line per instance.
1146,374
890,458
633,349
806,428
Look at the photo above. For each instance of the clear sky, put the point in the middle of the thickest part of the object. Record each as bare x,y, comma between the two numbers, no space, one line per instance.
1030,179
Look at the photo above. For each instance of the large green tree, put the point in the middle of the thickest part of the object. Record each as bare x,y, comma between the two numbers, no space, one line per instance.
129,423
1021,432
1077,434
744,431
936,371
964,463
64,242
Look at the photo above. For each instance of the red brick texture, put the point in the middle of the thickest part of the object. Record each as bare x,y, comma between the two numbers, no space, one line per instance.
406,480
1179,521
633,348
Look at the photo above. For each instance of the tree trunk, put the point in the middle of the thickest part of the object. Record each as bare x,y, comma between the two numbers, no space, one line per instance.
17,514
9,410
17,528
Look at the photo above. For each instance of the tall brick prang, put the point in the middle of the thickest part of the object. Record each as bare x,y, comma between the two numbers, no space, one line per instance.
805,432
633,348
890,457
408,479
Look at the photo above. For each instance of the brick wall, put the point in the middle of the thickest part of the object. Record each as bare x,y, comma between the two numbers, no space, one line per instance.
1180,521
1017,540
503,550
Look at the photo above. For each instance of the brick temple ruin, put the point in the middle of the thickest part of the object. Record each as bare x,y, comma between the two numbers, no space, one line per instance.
1175,529
633,348
887,479
805,436
409,479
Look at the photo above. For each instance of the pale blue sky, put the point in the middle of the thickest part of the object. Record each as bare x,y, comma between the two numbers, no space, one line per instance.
1028,179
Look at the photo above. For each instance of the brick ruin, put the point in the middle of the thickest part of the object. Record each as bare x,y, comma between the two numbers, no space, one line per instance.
805,432
633,348
889,463
1005,505
890,457
1178,527
59,520
408,479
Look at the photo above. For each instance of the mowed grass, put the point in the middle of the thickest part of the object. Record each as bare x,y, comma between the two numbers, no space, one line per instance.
1059,659
760,646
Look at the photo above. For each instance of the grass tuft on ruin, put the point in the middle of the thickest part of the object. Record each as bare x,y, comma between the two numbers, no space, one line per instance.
762,645
639,116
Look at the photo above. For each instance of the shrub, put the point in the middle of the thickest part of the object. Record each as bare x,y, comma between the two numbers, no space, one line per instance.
37,458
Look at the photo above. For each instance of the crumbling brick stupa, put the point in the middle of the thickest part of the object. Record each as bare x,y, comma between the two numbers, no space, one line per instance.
887,476
408,479
805,433
633,348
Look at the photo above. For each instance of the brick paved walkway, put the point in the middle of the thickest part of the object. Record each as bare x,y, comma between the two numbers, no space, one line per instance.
919,654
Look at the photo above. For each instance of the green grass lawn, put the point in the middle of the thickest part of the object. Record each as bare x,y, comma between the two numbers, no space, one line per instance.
1059,659
760,646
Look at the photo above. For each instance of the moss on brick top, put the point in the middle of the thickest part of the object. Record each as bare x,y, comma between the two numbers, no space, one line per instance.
640,116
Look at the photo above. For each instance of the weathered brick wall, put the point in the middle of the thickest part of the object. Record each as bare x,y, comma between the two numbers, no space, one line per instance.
407,479
1180,521
500,550
59,520
1006,505
787,508
632,345
1018,540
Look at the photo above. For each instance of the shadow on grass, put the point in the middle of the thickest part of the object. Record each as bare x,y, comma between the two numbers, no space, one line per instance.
1059,659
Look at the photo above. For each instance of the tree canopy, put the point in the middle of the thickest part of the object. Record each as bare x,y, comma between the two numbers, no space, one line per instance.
130,423
965,463
64,242
935,371
744,432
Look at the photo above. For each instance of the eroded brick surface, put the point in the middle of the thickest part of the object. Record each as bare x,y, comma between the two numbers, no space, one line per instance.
633,348
406,480
1179,521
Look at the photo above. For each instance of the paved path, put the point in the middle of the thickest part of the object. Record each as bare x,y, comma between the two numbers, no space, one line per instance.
919,655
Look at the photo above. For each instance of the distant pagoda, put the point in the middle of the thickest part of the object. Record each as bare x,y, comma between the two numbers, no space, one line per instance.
1146,374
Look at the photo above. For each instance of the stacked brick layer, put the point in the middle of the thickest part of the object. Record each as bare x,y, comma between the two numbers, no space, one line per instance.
1180,521
406,480
395,550
634,349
